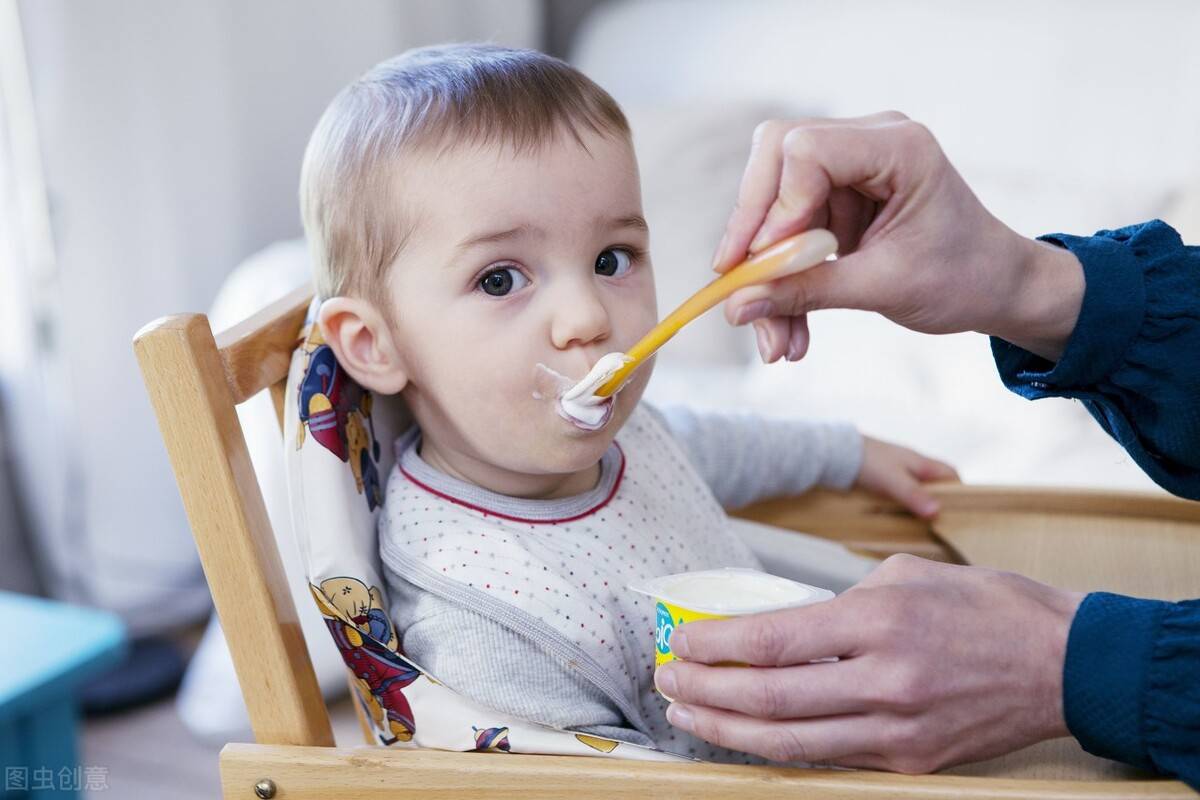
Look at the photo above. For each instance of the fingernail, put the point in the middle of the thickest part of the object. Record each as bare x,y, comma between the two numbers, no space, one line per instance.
763,344
679,644
752,311
680,717
664,681
794,351
720,254
929,508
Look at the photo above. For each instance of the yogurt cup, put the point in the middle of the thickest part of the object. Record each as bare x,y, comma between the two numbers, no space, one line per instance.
719,594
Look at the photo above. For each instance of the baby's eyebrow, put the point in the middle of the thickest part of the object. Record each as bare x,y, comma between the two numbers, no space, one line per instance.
629,221
613,223
499,236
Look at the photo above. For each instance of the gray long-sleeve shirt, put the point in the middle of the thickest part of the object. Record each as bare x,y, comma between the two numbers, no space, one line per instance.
741,458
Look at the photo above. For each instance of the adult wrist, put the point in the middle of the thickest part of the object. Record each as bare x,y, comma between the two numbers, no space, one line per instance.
1044,305
1063,605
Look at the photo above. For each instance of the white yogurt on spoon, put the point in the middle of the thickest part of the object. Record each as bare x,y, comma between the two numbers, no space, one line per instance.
577,401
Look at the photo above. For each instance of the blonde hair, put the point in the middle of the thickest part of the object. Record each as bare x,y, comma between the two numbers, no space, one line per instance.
438,97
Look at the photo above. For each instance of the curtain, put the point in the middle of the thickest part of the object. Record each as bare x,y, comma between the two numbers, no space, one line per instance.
170,138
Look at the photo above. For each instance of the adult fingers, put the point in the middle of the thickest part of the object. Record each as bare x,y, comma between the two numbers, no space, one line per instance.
772,334
803,188
817,159
849,215
798,338
809,690
760,182
780,638
814,741
782,336
851,281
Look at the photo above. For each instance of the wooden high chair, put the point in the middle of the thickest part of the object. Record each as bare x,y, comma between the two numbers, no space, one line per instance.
1126,542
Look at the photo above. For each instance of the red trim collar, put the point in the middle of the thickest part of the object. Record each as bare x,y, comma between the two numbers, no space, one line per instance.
487,512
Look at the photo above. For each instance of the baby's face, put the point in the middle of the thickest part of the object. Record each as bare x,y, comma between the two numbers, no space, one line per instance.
517,260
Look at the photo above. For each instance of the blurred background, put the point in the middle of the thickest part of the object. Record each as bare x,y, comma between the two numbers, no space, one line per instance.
149,162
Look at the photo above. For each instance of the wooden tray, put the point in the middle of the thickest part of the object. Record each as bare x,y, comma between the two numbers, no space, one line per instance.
1141,544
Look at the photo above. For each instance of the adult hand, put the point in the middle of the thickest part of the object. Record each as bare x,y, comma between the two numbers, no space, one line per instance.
915,244
938,665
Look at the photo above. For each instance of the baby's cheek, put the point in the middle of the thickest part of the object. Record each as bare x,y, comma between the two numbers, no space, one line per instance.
506,412
646,307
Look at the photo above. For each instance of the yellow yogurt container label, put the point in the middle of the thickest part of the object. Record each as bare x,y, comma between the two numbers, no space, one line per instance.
668,617
718,594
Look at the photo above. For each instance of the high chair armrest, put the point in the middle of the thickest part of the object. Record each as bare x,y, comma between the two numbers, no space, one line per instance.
861,521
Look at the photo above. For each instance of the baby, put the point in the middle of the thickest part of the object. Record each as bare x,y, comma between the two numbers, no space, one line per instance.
476,224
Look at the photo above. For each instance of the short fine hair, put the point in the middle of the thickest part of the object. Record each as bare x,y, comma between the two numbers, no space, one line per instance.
433,97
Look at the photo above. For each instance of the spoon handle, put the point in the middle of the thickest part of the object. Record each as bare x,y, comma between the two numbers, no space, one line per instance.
787,257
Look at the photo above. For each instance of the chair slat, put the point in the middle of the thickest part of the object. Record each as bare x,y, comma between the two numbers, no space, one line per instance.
279,400
186,381
256,352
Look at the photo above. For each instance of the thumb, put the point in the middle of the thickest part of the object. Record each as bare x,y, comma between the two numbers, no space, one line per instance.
847,282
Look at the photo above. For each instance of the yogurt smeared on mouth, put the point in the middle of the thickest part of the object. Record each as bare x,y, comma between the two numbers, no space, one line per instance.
577,402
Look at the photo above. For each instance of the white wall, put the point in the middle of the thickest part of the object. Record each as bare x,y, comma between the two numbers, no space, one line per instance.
172,135
1070,115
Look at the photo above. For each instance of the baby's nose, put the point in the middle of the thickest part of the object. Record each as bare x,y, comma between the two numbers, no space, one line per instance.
579,319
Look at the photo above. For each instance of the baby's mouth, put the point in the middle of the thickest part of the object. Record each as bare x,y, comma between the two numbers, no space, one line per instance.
576,400
588,417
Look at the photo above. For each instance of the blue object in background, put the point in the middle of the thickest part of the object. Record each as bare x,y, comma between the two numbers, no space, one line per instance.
47,649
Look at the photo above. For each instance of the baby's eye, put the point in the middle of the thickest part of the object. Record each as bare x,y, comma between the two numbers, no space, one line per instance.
613,262
500,282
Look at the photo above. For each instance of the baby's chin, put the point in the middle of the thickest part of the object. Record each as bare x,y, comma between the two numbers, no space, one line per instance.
542,442
573,450
562,448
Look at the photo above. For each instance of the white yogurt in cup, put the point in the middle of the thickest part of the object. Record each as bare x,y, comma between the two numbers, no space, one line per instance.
719,594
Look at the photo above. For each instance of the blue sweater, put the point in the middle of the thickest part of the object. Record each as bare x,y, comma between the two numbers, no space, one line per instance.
1131,682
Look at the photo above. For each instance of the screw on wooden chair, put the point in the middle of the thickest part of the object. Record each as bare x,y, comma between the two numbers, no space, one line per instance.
265,789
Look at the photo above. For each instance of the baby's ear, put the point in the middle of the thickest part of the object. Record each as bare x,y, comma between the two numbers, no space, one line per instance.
364,344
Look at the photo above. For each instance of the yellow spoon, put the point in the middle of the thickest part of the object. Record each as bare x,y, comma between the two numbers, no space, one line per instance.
787,257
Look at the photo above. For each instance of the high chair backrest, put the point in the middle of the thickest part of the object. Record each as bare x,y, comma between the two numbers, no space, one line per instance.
195,381
337,441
